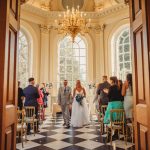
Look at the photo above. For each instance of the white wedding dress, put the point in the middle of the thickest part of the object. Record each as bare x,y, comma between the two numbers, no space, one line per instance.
80,113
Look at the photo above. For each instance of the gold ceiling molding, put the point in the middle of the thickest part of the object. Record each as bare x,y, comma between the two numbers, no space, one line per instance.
55,14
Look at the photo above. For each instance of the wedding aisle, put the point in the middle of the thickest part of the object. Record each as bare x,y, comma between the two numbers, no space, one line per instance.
53,136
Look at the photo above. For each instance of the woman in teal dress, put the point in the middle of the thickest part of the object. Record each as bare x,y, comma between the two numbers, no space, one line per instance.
115,98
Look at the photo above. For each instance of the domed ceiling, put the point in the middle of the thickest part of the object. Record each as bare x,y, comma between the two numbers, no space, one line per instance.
85,5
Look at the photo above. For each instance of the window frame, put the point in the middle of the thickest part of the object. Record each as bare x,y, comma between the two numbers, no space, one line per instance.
78,41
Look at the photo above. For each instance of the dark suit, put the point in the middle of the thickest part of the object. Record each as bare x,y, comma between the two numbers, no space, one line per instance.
103,96
31,95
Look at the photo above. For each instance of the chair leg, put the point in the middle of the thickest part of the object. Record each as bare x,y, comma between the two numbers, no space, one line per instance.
126,134
22,138
119,134
111,136
101,127
107,133
33,128
36,126
132,135
25,135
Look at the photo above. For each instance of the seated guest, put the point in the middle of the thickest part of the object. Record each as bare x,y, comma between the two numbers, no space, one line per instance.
20,96
120,84
31,95
128,97
115,101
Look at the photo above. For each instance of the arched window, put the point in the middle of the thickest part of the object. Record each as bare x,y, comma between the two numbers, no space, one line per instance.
122,54
72,60
23,59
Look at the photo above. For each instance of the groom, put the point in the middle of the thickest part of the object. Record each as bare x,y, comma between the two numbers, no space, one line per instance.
64,100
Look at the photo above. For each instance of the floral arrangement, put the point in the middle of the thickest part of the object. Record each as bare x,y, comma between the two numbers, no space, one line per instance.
79,98
49,85
92,85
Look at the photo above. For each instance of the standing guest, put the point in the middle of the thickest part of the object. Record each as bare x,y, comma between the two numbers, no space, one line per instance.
120,85
40,99
115,101
64,98
102,95
20,96
41,103
45,98
45,93
128,97
31,95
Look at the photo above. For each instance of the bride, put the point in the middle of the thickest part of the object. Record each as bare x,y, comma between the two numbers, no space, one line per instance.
80,114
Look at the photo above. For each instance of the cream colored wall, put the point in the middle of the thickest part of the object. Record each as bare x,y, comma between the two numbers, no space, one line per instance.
45,46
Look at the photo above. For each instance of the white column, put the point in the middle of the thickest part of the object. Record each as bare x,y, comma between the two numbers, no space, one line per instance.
45,48
97,55
102,51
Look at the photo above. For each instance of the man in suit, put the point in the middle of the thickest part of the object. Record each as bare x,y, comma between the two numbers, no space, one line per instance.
31,95
102,95
64,100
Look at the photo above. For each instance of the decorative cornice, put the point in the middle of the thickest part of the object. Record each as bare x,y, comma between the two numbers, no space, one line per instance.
97,28
45,28
54,15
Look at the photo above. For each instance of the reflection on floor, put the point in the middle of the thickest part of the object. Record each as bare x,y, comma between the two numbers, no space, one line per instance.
53,136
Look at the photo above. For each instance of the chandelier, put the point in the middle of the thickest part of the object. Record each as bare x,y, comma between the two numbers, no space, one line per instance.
72,23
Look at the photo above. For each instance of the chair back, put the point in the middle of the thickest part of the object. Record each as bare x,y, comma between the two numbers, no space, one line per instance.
117,116
20,116
30,111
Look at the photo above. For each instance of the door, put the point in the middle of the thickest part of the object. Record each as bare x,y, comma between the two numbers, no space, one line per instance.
139,14
9,27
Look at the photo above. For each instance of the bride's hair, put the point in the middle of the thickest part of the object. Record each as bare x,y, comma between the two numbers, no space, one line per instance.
78,82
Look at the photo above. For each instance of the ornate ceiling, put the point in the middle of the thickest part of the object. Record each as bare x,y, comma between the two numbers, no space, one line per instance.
85,5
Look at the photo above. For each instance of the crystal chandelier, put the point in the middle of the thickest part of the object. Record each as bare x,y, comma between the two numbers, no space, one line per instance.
72,22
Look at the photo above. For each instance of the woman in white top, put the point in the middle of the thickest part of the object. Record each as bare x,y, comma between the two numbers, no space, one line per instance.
128,97
80,113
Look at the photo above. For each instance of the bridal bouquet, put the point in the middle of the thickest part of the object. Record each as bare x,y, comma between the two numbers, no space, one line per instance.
79,98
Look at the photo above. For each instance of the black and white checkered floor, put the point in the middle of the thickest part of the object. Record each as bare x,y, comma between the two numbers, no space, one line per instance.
53,136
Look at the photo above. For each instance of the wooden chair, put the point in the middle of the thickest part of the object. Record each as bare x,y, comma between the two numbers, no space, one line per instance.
130,128
21,125
31,117
117,122
102,115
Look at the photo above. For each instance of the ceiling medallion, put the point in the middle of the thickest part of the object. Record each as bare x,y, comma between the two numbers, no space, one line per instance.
72,22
